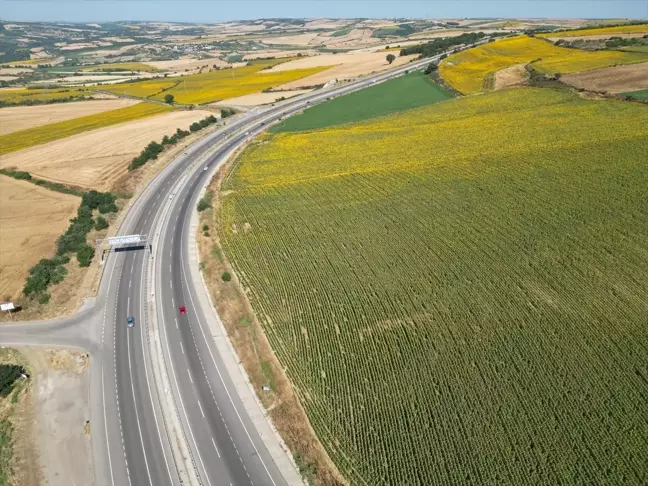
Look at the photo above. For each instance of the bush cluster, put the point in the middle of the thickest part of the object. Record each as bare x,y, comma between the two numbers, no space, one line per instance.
227,112
153,149
205,201
436,46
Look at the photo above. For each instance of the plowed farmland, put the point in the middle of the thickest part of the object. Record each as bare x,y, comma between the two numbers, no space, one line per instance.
470,71
458,292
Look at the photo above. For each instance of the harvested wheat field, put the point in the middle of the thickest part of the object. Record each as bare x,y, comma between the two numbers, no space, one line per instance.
617,79
96,159
344,66
190,64
515,75
31,218
293,40
16,118
257,99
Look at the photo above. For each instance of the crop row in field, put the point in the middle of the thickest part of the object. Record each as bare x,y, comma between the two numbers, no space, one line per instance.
467,71
619,29
18,95
54,131
457,292
403,93
215,85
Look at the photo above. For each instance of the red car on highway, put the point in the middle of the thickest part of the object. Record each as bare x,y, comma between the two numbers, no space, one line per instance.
183,310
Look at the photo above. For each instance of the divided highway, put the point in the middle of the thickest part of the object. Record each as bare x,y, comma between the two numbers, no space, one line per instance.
132,440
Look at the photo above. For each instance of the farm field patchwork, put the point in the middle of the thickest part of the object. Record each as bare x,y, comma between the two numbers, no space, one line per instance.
31,219
619,29
403,93
97,159
215,85
15,118
457,292
54,131
617,79
473,70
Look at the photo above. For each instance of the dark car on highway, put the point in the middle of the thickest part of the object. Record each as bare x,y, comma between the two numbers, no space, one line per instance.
130,322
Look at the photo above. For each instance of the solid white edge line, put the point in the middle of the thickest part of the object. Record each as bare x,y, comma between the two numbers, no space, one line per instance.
157,426
214,442
103,394
130,369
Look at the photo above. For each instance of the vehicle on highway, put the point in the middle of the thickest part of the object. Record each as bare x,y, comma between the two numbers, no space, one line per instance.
170,196
183,310
130,322
206,167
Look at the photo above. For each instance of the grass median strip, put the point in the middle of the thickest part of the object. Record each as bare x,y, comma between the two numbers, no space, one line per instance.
54,131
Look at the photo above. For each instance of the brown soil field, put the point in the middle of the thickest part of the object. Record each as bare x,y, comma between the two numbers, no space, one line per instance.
12,71
96,159
14,118
293,40
277,54
617,79
182,64
256,99
31,219
511,76
345,66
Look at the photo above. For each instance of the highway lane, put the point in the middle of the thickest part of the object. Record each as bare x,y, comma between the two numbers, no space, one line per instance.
229,446
226,446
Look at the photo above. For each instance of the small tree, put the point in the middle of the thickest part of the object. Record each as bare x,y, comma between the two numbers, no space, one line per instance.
226,276
84,255
168,98
101,223
390,58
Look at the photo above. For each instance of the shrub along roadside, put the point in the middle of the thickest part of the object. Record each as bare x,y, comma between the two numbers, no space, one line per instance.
153,149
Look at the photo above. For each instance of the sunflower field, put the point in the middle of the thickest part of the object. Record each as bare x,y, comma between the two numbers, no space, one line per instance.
467,71
458,292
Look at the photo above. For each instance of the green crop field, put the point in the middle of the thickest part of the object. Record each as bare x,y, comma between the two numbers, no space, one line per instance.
639,95
458,292
403,93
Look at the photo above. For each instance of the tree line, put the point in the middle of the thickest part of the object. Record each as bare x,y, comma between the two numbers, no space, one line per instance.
437,46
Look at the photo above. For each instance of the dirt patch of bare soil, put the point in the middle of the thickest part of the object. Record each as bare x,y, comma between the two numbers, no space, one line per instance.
516,75
617,79
61,413
259,361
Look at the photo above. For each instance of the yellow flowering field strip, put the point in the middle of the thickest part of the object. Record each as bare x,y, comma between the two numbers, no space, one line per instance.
54,131
215,85
619,29
18,95
466,71
458,292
